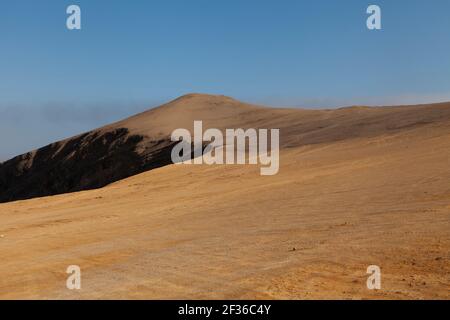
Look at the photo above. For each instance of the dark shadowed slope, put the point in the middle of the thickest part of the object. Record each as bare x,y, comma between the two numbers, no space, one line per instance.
89,161
142,142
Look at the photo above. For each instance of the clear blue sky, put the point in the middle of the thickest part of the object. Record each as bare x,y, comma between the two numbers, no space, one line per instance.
131,55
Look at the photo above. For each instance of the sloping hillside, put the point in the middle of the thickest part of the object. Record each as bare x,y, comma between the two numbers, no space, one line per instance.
142,142
371,190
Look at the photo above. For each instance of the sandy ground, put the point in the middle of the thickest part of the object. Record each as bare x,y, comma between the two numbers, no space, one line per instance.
225,232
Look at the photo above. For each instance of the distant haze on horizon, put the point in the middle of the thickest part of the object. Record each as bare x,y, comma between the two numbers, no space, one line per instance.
129,57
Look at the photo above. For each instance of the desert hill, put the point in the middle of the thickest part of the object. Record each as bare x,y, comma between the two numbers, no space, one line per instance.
142,142
356,187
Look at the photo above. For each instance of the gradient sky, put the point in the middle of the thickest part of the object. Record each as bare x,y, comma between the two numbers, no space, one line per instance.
131,55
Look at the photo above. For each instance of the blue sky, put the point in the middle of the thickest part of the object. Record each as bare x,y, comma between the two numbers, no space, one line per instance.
131,55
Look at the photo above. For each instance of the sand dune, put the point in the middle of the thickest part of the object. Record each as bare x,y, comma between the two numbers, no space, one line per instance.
142,142
356,187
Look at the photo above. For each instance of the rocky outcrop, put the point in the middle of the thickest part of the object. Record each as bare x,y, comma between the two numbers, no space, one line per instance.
88,161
